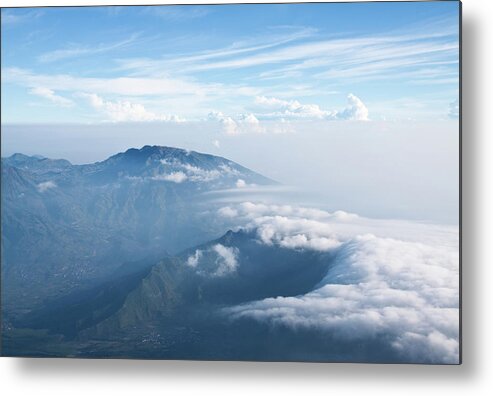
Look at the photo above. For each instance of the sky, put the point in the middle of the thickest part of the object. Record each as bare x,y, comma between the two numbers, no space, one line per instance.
358,101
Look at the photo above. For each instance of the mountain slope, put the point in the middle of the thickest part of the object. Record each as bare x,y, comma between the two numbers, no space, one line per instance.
65,226
233,269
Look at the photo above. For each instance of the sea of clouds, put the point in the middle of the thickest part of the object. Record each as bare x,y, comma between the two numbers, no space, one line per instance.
390,279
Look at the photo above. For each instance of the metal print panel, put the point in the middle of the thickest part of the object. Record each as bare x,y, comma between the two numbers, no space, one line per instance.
266,182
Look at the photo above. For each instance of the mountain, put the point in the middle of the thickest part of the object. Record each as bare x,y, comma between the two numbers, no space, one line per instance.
233,269
176,166
230,270
66,227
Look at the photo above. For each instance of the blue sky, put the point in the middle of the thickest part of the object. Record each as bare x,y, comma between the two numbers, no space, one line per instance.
235,64
354,104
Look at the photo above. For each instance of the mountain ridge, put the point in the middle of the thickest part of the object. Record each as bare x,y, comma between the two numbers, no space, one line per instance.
64,225
172,288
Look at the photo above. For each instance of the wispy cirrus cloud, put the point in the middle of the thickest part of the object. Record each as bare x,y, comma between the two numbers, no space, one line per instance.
366,57
348,57
78,50
275,38
427,57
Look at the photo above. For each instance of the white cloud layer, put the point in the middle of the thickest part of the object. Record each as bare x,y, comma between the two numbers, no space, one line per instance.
125,111
278,111
244,123
291,108
152,89
124,86
391,279
356,110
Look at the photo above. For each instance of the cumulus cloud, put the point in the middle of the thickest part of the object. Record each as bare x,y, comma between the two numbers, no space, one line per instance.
291,108
343,224
355,110
393,280
51,96
217,261
290,226
216,143
295,233
45,186
228,124
454,110
243,123
227,212
125,111
249,123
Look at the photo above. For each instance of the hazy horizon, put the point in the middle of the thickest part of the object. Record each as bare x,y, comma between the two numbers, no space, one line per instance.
376,169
